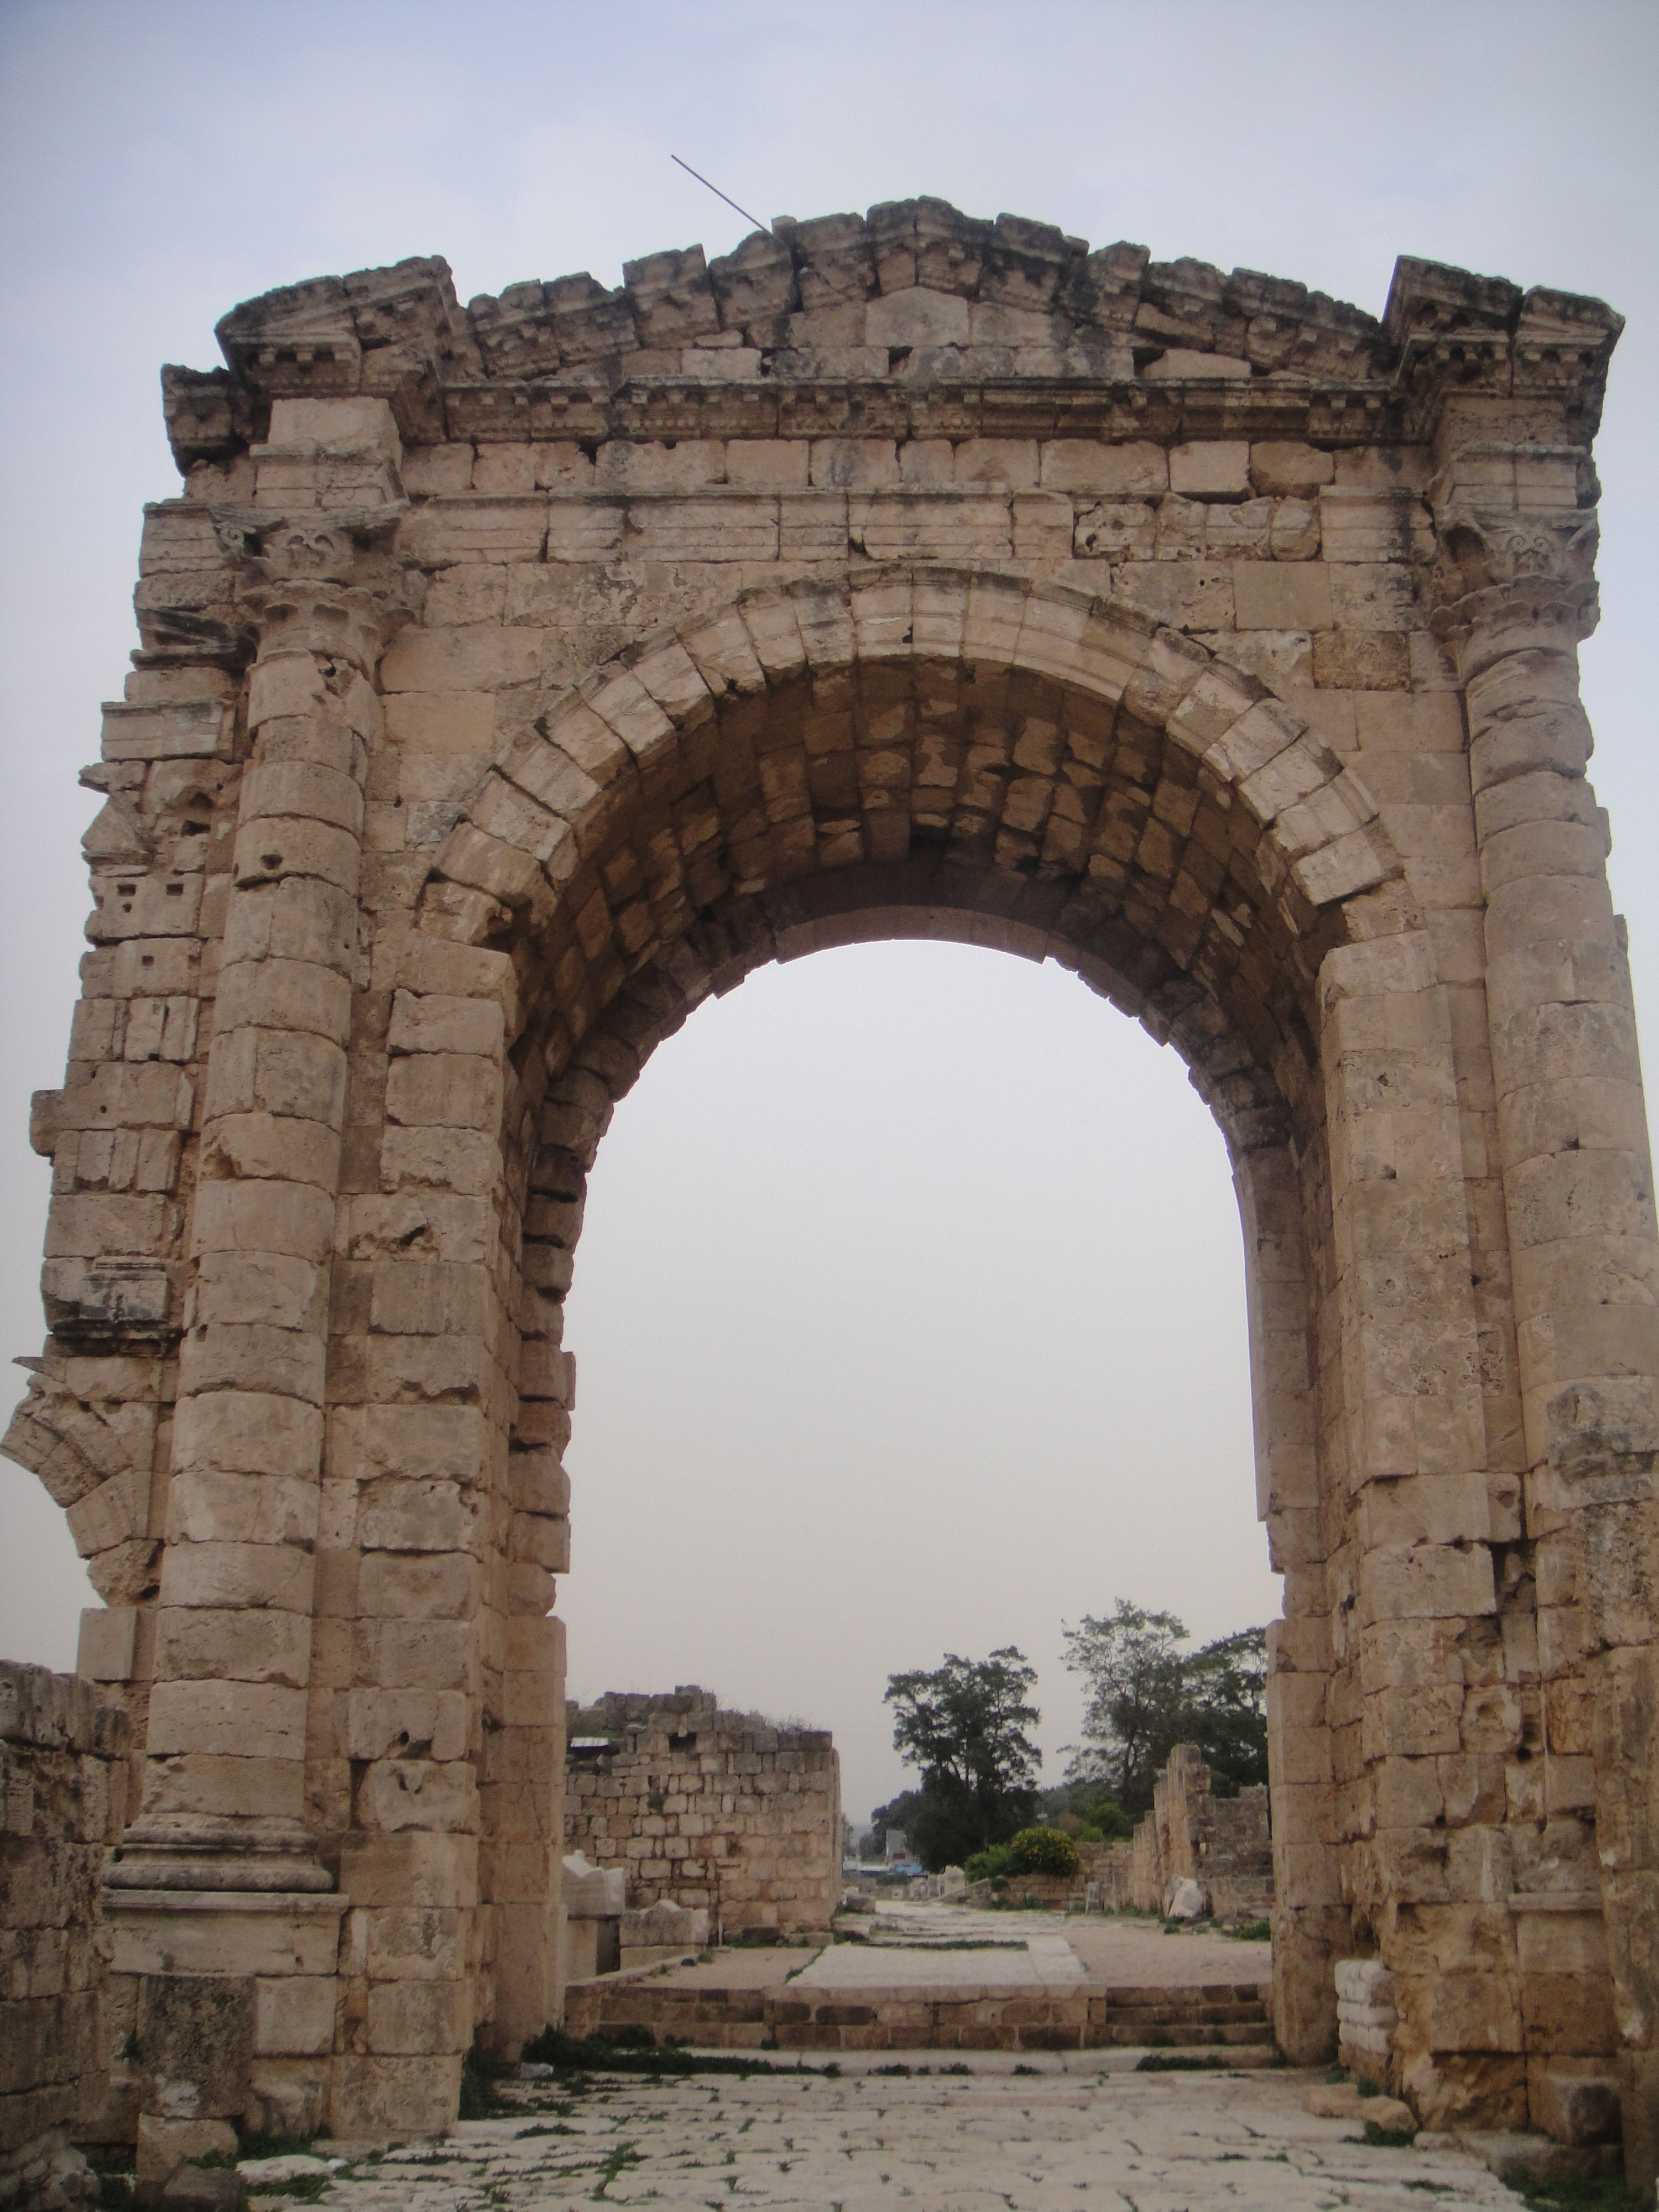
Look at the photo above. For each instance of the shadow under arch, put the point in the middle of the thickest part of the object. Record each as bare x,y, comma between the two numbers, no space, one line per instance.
953,754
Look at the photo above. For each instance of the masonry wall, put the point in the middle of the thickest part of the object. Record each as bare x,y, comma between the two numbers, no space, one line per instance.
1225,1844
63,1804
707,1807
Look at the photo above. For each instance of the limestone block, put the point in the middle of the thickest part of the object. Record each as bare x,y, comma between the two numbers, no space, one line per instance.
447,1089
1188,594
418,1793
379,1724
164,2144
230,1574
1374,526
199,1783
649,466
195,2035
503,527
589,1892
415,1869
108,1644
542,1540
430,1586
917,316
381,2096
1375,596
202,1643
1211,469
951,526
245,1720
1473,2012
294,2016
479,658
421,1516
1274,595
428,471
419,2017
1116,530
1579,2108
1137,470
131,903
418,1944
1284,465
457,725
187,729
439,1444
840,464
767,464
247,1432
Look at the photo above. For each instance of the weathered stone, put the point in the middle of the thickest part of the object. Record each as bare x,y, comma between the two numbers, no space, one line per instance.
599,645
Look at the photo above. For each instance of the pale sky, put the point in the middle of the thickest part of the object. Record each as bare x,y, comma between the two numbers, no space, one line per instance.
908,1313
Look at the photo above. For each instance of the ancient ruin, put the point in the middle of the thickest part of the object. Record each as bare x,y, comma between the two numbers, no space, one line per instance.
724,1814
63,1804
513,676
1222,1844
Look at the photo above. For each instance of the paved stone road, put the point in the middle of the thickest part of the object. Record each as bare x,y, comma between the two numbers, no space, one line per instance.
1060,1952
993,2141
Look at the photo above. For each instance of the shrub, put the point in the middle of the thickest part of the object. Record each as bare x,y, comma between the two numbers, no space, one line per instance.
991,1865
1044,1851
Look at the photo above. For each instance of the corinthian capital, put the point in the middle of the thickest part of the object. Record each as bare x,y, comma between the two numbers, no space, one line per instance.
1512,583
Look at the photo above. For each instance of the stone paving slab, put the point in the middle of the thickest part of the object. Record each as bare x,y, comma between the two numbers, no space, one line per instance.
1060,1952
1043,1961
788,2140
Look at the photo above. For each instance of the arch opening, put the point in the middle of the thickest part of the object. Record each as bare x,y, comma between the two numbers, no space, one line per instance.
907,1316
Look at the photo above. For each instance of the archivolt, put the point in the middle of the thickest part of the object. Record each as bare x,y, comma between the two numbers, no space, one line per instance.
925,751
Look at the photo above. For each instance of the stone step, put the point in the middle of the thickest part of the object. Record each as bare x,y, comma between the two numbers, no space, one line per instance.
1220,2016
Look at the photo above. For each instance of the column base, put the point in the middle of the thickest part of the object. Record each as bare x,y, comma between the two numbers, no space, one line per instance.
234,2001
172,1852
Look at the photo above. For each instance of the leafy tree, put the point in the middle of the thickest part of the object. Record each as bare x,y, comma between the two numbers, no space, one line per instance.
1146,1696
1087,1811
1225,1699
964,1723
1133,1669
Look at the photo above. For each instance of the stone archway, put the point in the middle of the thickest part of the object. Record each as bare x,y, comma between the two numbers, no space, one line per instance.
512,678
1210,861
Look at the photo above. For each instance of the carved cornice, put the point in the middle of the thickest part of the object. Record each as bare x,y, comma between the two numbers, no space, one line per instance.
1064,342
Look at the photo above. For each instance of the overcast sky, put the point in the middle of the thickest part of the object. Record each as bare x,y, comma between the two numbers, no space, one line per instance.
909,1312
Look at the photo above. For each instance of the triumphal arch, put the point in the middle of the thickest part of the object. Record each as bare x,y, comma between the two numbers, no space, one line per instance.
513,676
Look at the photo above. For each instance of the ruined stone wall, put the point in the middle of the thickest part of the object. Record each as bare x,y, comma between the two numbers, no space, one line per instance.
63,1804
1224,1844
514,676
703,1808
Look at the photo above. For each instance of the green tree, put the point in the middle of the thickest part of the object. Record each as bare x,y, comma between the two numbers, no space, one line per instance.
1224,1697
965,1724
1146,1696
1133,1669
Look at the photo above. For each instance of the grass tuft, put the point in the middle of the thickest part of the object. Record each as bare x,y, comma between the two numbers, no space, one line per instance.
1575,2193
1389,2138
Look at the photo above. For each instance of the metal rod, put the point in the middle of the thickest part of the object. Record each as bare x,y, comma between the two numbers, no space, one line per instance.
719,194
